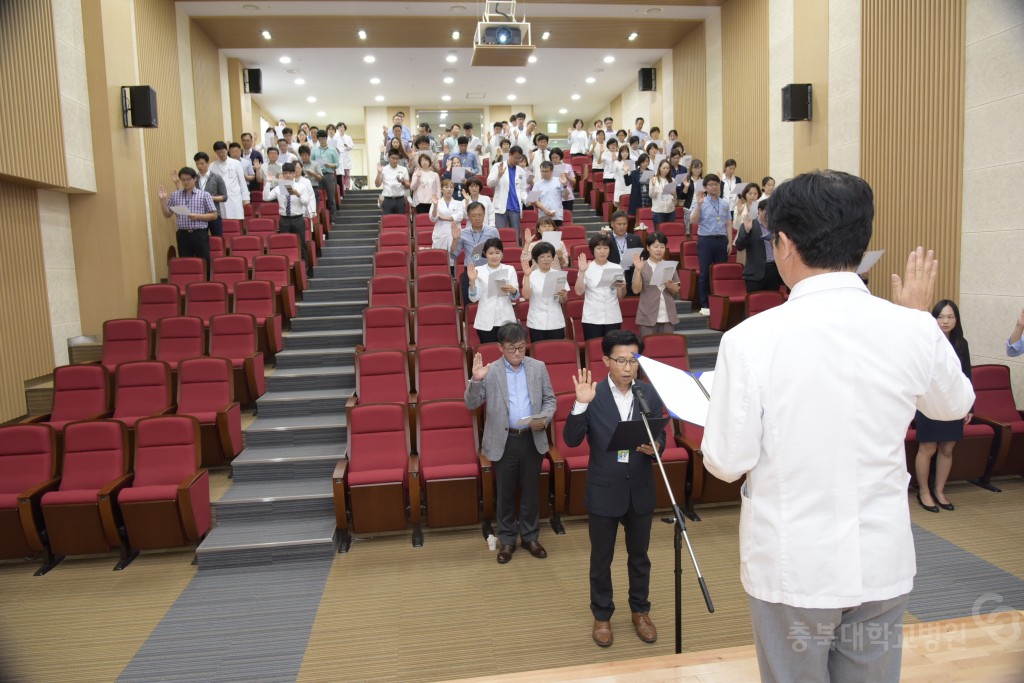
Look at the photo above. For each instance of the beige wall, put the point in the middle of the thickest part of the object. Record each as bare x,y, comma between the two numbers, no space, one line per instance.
844,81
690,92
745,87
76,116
780,72
992,258
713,157
206,77
61,278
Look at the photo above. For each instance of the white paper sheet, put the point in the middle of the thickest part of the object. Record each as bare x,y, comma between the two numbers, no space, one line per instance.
552,237
458,174
663,272
332,143
478,251
669,189
627,165
680,391
627,257
532,196
554,282
646,176
698,185
494,285
284,182
658,158
610,274
870,259
559,170
180,209
687,160
530,418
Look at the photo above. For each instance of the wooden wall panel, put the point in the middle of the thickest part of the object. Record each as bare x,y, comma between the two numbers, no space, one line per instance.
689,73
912,126
25,333
30,94
156,29
810,65
745,87
206,81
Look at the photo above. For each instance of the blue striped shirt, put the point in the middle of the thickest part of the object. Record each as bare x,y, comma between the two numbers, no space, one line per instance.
197,201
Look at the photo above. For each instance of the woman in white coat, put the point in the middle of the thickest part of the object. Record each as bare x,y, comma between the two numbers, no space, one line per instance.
494,308
444,211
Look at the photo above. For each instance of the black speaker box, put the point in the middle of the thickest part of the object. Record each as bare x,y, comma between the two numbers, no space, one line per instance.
253,81
796,102
142,100
648,79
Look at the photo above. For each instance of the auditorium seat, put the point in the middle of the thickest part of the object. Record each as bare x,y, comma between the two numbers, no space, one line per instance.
453,471
434,289
423,240
508,238
728,296
80,392
381,377
973,457
141,389
529,217
229,270
204,300
167,504
28,470
628,307
469,334
689,270
437,326
575,459
206,392
562,358
669,349
391,263
81,516
995,407
385,327
573,235
593,360
576,250
287,244
389,222
394,240
645,216
158,301
441,372
183,271
247,247
758,302
489,352
234,336
389,290
676,460
217,247
676,235
230,227
704,487
432,261
274,267
125,340
265,225
177,338
422,220
372,482
574,311
256,297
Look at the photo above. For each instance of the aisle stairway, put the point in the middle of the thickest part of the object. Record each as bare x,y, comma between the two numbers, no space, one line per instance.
280,504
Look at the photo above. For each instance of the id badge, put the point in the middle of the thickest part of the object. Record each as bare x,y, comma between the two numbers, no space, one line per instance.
624,456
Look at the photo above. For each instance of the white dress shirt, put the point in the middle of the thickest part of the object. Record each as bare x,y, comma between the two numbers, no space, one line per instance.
493,311
811,400
623,402
600,304
544,313
305,188
488,208
661,203
298,206
390,180
234,182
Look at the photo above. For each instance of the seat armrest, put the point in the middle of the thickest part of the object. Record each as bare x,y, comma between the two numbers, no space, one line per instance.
31,514
338,485
719,318
229,428
487,486
110,490
194,505
1000,446
558,478
107,502
414,489
37,419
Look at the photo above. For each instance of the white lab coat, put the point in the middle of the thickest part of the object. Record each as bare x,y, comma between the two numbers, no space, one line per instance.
500,185
230,170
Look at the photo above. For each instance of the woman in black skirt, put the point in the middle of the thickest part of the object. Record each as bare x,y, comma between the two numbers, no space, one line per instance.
939,435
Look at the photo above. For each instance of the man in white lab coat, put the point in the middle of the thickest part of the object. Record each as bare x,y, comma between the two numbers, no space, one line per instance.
811,402
234,181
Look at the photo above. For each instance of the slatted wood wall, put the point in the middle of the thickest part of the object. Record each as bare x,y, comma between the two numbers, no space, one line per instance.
745,88
690,92
206,80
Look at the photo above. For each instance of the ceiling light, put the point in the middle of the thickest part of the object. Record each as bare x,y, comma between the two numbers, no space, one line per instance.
379,98
362,35
591,79
545,35
574,97
521,80
632,36
300,81
266,34
563,110
609,59
452,58
369,59
532,59
444,115
456,35
449,80
311,99
285,60
293,71
321,113
374,81
511,98
446,98
251,8
652,10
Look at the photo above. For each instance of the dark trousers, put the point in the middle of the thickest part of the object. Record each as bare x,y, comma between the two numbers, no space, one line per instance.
710,250
603,531
392,205
488,336
544,335
509,219
771,281
567,204
464,289
659,218
217,227
592,331
194,243
297,226
422,208
330,183
519,466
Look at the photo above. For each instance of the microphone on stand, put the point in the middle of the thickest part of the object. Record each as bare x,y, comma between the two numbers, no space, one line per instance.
638,391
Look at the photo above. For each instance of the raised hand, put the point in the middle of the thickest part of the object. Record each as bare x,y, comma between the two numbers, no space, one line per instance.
917,288
479,369
528,239
700,198
256,164
637,261
380,167
471,274
456,231
586,389
501,169
527,268
582,263
161,193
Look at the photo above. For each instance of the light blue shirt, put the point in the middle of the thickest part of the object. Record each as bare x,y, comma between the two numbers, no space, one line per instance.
1015,349
714,214
468,241
326,155
519,405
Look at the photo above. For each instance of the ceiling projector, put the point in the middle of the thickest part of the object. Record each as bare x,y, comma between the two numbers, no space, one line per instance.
500,38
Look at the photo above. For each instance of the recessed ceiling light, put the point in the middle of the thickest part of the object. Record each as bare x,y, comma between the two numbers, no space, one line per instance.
632,36
293,71
285,60
563,110
251,8
532,59
609,59
375,81
575,96
362,35
511,98
444,115
300,81
311,99
449,80
379,98
369,59
452,58
521,80
652,10
321,113
456,35
545,35
591,79
266,34
446,98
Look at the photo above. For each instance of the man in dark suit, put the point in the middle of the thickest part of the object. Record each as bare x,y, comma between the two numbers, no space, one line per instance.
620,484
622,241
760,271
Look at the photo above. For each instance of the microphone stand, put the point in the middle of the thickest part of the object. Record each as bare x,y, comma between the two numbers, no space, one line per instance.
680,530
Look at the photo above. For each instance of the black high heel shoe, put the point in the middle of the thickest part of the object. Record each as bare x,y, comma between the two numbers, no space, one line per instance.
944,506
929,508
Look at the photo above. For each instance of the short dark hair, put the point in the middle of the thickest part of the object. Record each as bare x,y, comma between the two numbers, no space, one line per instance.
497,125
493,243
401,113
275,150
515,149
321,134
674,131
473,181
220,144
642,158
639,118
476,205
540,249
633,138
655,129
511,333
546,165
827,215
657,236
616,216
394,153
397,125
468,125
620,338
288,167
286,131
600,240
304,149
189,171
764,181
608,119
521,115
711,178
541,136
728,163
463,140
244,136
420,139
201,155
558,151
234,145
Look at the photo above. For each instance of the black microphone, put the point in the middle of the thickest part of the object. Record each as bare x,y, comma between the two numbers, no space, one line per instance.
641,399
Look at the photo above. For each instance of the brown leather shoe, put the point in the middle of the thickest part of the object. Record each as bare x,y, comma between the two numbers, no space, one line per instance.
505,553
645,627
603,633
536,549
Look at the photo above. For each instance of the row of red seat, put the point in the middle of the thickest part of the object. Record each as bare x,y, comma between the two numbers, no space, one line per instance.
251,246
98,493
183,272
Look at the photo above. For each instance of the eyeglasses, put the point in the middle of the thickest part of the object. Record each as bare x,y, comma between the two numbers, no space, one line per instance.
623,362
517,350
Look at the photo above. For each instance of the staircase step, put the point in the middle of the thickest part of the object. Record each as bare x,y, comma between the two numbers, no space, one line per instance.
329,294
245,543
349,306
701,339
702,359
290,431
303,402
296,462
327,323
360,265
322,339
280,499
322,360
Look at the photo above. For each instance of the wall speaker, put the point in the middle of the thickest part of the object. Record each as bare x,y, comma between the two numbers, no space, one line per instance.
253,81
648,79
796,102
138,106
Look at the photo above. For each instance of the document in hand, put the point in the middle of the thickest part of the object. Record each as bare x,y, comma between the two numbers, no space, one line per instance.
478,251
628,165
523,421
532,196
698,185
686,161
646,176
631,434
180,209
332,143
552,237
554,282
870,259
627,257
494,285
285,183
458,174
663,272
669,189
658,158
608,276
559,170
686,395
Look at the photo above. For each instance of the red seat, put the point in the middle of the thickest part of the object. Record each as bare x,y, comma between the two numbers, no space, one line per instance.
562,358
184,271
689,268
80,516
389,290
669,349
142,389
441,373
432,261
490,352
206,299
728,295
437,326
229,270
287,244
508,237
275,269
381,377
574,311
994,406
394,240
247,247
234,336
762,301
392,221
385,327
469,334
230,227
576,459
452,471
676,460
80,392
265,225
168,502
391,263
373,480
593,360
28,469
676,234
529,217
217,246
434,289
256,297
628,306
178,338
158,301
423,221
645,215
424,239
125,340
206,392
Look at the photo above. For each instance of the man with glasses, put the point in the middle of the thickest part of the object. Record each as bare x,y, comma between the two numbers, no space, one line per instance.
620,484
520,404
193,235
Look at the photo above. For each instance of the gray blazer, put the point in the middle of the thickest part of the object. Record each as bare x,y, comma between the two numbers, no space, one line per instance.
542,399
647,308
216,187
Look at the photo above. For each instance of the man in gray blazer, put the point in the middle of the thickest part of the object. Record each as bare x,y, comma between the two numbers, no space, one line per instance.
514,387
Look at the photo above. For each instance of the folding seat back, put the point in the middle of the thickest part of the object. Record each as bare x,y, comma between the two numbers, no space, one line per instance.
562,358
646,216
389,290
628,307
489,352
80,392
229,270
448,447
676,234
385,327
394,240
206,299
382,377
28,458
206,392
576,249
993,394
391,263
576,458
727,280
234,336
247,247
231,227
125,340
508,237
441,373
158,301
255,297
758,302
179,337
393,221
567,216
434,289
183,271
573,232
423,221
689,258
431,261
275,269
142,389
437,326
166,450
469,333
286,244
669,349
262,226
424,239
594,360
95,453
529,217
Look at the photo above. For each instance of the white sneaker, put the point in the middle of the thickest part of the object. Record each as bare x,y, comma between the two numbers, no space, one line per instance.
705,311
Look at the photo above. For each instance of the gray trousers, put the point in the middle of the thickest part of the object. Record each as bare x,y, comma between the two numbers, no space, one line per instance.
519,466
854,645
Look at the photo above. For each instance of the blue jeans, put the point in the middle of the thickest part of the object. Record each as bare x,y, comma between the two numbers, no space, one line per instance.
660,218
711,249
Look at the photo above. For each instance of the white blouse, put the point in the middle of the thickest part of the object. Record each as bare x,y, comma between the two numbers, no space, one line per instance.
600,304
494,310
544,314
444,214
579,142
661,203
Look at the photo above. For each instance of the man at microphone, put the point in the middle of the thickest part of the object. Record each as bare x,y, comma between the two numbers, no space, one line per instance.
620,484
